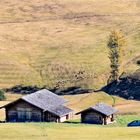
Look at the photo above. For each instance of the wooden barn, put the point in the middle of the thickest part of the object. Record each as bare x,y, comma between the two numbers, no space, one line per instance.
41,106
101,113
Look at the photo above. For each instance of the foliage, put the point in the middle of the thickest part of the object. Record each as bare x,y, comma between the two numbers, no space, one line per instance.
2,96
115,44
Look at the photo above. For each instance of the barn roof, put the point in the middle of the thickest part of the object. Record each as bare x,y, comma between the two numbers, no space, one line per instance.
102,108
47,101
60,110
44,99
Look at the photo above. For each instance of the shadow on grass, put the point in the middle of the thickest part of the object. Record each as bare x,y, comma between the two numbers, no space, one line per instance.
72,122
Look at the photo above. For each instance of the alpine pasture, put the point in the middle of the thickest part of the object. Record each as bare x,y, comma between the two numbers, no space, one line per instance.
44,41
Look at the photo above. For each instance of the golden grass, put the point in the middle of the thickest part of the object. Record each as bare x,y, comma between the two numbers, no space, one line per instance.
12,96
39,32
83,101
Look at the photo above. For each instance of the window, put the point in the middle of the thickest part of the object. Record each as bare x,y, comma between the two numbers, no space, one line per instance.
24,114
36,116
12,116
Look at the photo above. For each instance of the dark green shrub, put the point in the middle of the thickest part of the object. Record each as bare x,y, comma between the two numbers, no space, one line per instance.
2,96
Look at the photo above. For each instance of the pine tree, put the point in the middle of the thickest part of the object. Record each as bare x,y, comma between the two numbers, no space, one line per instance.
115,44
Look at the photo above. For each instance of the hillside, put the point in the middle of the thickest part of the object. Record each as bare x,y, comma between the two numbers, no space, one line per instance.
43,41
83,101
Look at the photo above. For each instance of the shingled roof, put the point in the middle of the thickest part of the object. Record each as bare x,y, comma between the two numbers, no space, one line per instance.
44,99
47,101
102,108
60,110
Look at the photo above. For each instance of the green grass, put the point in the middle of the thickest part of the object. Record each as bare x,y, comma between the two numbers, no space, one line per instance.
121,121
68,131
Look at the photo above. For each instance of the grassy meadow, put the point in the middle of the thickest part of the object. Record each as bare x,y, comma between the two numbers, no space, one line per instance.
40,37
64,131
73,129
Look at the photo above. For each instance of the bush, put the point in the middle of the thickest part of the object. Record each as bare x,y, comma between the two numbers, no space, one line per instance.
138,62
2,96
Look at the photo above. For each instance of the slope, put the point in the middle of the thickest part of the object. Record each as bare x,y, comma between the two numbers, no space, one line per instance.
42,42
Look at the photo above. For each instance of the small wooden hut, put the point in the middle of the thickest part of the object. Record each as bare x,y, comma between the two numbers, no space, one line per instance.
101,113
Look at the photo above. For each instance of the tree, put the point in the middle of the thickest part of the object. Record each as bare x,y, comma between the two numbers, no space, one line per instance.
115,44
2,96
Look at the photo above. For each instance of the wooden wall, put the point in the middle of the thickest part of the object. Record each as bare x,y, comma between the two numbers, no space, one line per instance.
23,109
49,117
92,117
